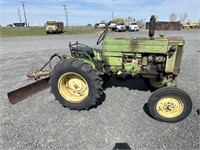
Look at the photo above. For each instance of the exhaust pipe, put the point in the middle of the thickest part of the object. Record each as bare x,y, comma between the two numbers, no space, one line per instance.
152,26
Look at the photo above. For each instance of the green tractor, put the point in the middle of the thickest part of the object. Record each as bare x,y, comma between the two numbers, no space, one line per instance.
76,80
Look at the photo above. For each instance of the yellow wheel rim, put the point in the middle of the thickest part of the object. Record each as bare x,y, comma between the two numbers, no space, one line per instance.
73,87
155,83
170,107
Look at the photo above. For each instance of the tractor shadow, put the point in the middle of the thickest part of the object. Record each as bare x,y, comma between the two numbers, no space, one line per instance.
128,82
146,110
131,84
99,101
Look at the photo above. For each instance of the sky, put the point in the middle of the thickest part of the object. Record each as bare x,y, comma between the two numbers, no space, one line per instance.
83,12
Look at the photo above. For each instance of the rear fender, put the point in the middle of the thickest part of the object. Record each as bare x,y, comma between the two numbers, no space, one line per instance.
89,62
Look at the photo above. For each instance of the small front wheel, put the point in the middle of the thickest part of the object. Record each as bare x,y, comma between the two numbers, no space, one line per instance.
169,104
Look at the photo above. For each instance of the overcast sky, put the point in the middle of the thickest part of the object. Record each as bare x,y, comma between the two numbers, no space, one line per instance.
82,12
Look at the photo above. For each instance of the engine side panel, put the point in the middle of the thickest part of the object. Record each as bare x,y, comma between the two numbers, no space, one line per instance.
149,56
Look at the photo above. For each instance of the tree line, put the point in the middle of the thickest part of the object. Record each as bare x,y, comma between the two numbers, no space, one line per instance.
183,18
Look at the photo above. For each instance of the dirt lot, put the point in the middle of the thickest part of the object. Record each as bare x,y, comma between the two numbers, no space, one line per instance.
40,122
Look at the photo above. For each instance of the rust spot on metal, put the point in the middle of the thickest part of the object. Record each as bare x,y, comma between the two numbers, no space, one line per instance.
175,38
176,41
37,74
176,70
134,45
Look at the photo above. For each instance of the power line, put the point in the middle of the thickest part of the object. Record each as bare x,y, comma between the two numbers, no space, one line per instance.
112,15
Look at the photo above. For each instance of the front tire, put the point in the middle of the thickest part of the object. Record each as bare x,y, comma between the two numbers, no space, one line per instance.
169,104
75,84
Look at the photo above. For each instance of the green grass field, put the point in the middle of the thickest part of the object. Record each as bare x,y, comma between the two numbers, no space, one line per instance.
33,31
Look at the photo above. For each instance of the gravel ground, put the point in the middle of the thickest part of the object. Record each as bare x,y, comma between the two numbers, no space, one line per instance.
40,122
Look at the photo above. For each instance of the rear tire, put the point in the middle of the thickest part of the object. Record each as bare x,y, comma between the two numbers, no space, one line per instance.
75,84
169,104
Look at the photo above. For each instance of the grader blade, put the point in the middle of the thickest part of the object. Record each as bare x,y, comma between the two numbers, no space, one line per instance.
28,90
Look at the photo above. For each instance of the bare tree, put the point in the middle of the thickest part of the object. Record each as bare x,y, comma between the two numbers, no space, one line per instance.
102,21
172,17
129,19
157,18
199,22
141,23
183,18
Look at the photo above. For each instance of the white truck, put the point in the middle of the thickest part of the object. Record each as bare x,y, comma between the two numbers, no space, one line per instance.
120,27
100,25
112,25
133,26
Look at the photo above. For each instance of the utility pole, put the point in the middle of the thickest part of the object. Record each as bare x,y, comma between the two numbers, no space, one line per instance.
112,15
66,15
24,13
19,16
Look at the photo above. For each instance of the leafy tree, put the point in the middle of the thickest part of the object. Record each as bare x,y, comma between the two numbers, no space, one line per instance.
119,20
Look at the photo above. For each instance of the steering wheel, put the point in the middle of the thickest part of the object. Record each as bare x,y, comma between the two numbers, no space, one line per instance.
102,36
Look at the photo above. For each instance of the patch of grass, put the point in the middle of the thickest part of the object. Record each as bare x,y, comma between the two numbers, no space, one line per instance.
80,30
33,31
14,32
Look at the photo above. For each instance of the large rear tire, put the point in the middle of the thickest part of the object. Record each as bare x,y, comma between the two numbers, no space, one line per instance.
169,104
75,84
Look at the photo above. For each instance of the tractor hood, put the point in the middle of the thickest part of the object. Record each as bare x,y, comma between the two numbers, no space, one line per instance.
141,45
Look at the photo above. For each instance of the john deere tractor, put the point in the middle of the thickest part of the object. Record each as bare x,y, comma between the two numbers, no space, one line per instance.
76,80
